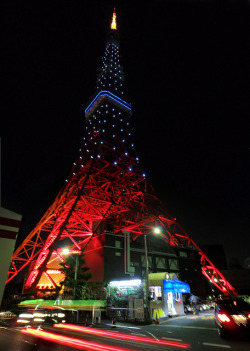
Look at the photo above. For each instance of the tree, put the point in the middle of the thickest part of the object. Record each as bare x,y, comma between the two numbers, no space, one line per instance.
94,291
76,275
118,297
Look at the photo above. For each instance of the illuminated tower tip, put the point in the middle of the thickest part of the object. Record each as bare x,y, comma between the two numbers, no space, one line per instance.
113,24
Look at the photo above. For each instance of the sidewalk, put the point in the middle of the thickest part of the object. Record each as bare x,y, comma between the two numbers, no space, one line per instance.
109,324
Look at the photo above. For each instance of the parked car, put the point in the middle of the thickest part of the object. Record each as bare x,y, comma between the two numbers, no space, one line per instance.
232,317
188,308
210,305
199,306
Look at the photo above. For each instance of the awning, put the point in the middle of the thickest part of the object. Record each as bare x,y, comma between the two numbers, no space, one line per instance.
175,286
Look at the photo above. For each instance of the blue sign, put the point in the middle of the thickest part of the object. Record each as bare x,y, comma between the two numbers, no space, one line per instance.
175,286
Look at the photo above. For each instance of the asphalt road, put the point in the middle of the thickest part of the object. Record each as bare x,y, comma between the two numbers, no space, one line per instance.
191,332
200,332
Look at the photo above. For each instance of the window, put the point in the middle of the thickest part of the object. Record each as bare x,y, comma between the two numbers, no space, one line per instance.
173,264
160,262
117,244
183,254
155,292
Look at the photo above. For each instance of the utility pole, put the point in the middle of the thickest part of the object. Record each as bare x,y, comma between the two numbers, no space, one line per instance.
75,278
147,279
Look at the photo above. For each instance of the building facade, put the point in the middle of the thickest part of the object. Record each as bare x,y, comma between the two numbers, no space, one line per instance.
125,260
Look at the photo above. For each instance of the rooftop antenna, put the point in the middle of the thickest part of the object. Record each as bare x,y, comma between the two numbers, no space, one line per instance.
113,24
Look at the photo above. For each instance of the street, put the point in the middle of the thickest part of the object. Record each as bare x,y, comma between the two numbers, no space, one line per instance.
198,331
193,332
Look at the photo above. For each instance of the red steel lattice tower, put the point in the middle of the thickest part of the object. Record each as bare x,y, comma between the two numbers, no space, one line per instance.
106,190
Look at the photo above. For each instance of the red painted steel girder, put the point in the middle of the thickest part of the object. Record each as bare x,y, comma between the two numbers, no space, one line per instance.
99,192
126,200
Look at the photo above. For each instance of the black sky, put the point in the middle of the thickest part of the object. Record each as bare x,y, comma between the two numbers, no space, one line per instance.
187,71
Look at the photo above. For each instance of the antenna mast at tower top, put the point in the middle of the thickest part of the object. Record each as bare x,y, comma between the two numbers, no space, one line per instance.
113,24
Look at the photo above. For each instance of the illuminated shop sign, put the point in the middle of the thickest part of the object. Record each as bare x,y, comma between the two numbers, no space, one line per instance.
175,286
125,283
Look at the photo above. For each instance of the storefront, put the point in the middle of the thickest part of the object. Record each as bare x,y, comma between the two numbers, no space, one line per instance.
166,294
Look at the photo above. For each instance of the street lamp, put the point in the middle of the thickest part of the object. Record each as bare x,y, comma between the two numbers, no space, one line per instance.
147,278
156,230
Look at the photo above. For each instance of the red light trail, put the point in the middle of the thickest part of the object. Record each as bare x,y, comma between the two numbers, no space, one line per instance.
120,336
72,342
223,317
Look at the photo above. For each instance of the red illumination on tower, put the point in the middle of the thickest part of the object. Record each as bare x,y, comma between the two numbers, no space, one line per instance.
106,190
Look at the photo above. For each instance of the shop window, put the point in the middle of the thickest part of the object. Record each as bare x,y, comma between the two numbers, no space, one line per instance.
155,292
160,262
173,264
177,297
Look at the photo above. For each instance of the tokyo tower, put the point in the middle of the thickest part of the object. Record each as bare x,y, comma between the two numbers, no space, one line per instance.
106,191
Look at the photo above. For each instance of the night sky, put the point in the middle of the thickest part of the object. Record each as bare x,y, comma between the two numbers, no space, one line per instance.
186,65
